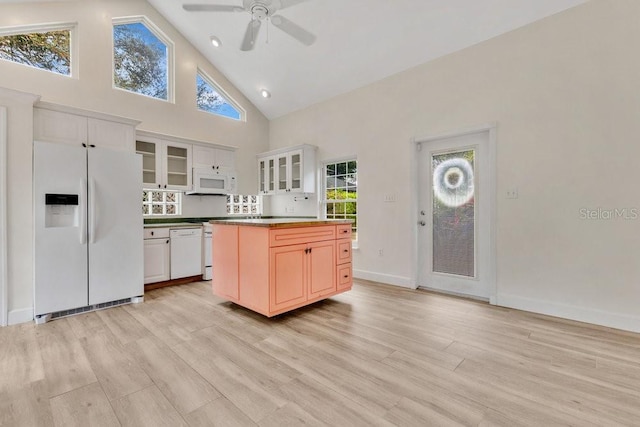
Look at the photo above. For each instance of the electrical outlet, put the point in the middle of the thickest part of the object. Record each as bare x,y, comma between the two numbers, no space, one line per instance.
389,198
512,193
289,209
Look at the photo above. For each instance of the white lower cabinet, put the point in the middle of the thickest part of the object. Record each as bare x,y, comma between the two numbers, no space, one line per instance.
157,250
172,253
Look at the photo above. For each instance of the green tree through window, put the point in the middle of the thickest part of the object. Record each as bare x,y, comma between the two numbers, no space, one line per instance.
45,50
140,60
209,99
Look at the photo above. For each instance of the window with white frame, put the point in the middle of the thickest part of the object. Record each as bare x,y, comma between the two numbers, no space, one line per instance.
212,99
341,192
142,58
161,203
244,205
46,47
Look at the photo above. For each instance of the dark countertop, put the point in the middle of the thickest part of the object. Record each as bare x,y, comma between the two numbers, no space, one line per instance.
281,222
174,225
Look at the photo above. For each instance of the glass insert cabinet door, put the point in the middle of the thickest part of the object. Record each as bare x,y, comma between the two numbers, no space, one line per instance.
177,169
282,173
149,162
296,171
272,175
262,178
453,213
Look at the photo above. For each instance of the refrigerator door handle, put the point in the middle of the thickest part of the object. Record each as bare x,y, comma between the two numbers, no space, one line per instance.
82,206
92,210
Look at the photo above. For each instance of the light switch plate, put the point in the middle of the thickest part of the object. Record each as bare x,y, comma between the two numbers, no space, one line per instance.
512,193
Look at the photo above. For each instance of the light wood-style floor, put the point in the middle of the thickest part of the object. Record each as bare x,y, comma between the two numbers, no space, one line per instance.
374,356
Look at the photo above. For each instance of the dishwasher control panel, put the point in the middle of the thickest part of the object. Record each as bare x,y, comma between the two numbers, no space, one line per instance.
186,232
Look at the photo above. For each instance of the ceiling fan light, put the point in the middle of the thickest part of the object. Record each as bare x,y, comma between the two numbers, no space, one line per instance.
215,41
265,93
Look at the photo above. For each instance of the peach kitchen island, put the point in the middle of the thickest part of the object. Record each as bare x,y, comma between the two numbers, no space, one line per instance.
272,266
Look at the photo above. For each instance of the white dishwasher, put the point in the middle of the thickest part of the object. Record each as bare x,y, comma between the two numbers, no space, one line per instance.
186,252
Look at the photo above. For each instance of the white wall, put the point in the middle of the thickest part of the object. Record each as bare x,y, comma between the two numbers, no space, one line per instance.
92,90
565,94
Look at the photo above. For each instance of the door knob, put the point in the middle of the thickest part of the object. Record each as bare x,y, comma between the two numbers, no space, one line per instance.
422,223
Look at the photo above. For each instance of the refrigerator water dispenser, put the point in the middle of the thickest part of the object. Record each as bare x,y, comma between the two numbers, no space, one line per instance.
61,210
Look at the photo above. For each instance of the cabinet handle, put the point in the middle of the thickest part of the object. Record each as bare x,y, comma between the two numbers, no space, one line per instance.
165,186
92,145
306,251
159,186
346,251
310,249
346,276
84,145
152,233
167,241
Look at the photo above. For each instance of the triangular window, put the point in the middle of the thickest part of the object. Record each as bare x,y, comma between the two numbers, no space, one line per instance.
210,98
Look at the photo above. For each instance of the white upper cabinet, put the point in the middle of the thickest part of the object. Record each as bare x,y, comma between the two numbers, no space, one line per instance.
106,134
168,161
66,125
290,170
267,175
216,158
165,164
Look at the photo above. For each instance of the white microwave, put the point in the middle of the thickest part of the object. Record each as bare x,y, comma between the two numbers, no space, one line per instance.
212,180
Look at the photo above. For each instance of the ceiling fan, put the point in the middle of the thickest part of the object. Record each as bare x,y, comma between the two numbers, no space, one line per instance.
260,10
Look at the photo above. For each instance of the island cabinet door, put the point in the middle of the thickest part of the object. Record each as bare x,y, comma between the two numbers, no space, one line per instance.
322,268
288,276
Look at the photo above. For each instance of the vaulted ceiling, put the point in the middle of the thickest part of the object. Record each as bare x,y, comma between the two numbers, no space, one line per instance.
357,41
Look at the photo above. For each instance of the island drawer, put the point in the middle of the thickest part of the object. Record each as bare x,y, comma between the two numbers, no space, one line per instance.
343,231
344,251
294,236
345,276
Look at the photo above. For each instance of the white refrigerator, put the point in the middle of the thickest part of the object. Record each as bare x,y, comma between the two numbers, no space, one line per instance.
88,227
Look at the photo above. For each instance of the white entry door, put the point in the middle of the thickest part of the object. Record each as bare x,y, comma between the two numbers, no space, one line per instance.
455,187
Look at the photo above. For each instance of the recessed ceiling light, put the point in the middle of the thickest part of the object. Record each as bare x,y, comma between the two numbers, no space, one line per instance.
265,93
215,41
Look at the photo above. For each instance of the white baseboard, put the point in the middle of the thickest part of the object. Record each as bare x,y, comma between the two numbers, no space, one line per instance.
388,279
20,316
598,317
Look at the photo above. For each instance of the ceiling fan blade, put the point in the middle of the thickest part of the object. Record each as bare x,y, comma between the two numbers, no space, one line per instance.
283,4
211,8
251,35
294,30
